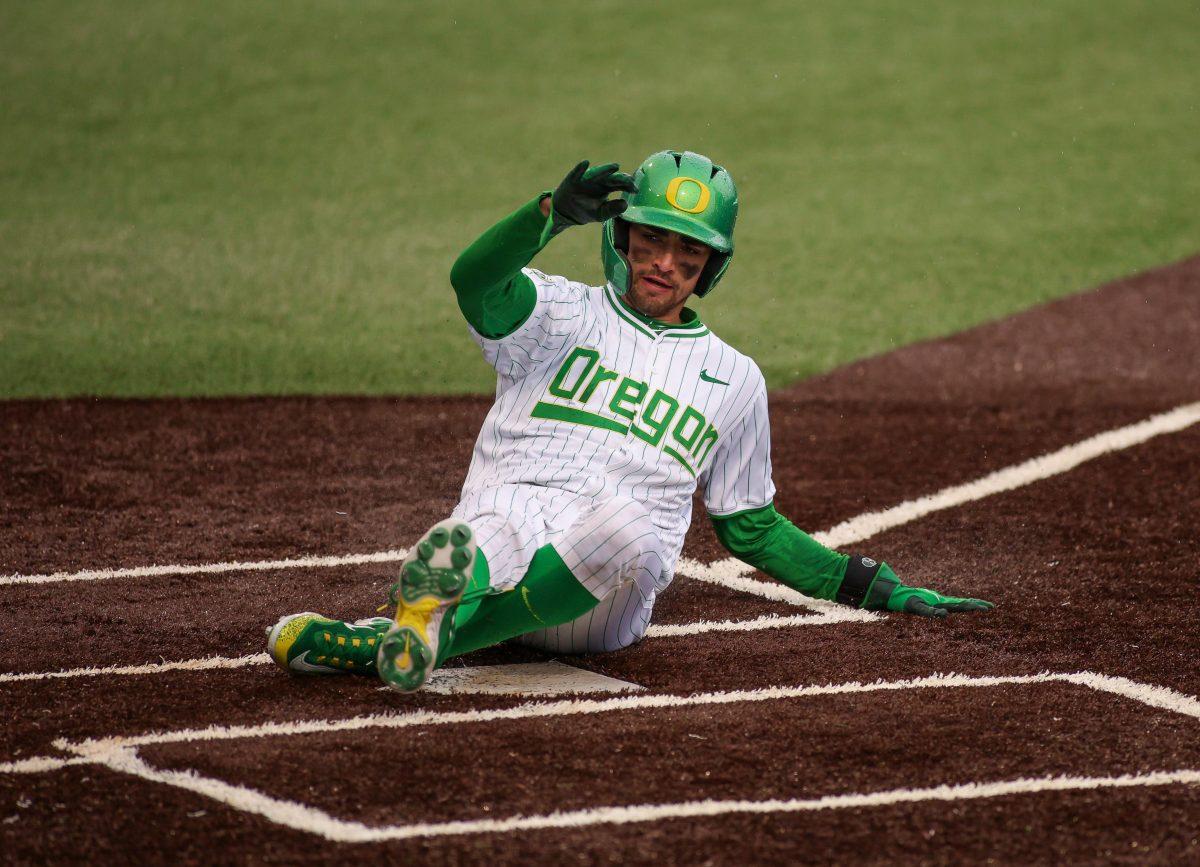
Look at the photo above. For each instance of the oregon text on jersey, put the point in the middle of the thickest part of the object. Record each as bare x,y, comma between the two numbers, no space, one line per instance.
579,379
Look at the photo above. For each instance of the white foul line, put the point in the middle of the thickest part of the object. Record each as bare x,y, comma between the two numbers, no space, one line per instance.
301,817
304,818
120,754
848,532
730,570
1155,696
41,764
1160,697
1009,478
208,568
205,664
766,621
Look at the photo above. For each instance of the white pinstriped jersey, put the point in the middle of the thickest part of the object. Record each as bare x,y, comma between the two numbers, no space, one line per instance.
592,400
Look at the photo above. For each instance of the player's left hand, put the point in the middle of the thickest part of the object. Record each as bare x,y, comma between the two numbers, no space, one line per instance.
930,603
582,197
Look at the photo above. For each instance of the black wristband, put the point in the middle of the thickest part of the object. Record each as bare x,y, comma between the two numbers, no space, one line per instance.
860,572
864,587
881,589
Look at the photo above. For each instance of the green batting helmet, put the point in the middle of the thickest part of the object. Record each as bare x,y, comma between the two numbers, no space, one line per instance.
682,192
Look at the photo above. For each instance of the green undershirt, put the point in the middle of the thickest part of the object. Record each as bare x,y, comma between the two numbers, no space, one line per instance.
493,294
771,543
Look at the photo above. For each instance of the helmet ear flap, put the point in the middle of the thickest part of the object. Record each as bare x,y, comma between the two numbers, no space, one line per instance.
621,236
713,270
621,242
614,250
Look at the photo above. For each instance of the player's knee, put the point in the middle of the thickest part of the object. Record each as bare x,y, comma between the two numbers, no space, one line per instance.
629,529
616,543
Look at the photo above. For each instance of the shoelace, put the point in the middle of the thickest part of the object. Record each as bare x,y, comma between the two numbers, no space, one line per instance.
348,646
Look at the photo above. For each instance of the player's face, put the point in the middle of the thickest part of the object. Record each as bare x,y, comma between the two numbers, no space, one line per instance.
664,267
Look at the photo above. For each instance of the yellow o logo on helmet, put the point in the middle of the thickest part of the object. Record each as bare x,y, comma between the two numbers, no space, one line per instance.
688,195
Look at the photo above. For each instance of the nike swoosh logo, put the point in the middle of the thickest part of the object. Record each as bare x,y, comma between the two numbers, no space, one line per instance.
304,667
529,605
704,376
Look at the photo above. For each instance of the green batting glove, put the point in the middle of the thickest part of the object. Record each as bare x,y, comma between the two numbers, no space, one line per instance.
930,603
582,197
874,586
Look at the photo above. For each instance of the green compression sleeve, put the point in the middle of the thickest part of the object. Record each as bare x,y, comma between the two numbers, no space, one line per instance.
771,543
493,294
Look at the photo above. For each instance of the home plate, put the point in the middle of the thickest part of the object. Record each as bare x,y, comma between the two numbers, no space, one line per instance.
527,678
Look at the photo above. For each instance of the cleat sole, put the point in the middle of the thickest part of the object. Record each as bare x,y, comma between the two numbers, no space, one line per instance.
432,582
406,659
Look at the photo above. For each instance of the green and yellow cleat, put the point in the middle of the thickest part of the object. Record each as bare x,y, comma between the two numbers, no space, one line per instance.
308,643
432,580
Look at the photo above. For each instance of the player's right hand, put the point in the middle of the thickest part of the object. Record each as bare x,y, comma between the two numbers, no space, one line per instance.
582,197
875,586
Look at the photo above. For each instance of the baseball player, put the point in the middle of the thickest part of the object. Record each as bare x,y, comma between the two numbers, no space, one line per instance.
613,403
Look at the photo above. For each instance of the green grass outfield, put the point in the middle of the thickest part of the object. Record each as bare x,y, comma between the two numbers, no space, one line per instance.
238,197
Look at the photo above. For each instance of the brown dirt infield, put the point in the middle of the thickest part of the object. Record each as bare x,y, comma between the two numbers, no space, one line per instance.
1092,570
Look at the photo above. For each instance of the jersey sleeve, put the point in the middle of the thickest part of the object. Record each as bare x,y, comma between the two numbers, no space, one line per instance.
739,476
559,313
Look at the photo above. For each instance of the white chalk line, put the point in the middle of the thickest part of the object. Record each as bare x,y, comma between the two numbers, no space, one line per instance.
766,621
209,568
1007,479
41,764
1163,698
301,817
204,664
119,754
848,532
1159,697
